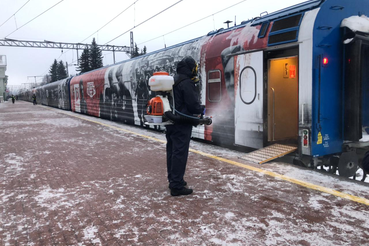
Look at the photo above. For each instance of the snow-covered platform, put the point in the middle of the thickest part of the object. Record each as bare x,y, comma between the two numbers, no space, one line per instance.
70,179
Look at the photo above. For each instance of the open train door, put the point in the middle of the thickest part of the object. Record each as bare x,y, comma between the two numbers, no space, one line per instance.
249,100
283,100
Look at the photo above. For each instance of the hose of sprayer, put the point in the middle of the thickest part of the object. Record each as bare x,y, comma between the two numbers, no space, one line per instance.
183,118
188,119
185,115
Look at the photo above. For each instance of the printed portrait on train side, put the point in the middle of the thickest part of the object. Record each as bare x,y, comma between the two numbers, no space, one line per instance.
228,66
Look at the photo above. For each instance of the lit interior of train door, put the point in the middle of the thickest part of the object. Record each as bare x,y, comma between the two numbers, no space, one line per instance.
283,99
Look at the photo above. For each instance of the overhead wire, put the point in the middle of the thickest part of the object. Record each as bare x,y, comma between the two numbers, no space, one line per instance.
157,15
105,25
34,18
145,21
193,22
134,25
111,20
15,21
14,13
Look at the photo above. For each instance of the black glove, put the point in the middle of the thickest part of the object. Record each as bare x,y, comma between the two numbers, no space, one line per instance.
205,121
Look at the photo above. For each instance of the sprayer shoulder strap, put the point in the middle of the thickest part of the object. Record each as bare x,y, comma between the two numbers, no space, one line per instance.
178,82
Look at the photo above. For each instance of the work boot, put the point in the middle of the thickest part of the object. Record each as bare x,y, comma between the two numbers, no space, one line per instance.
184,184
181,192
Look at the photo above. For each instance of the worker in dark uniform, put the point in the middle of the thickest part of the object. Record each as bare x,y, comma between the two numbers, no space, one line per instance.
179,134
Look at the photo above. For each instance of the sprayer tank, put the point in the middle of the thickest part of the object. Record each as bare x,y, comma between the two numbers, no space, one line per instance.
161,81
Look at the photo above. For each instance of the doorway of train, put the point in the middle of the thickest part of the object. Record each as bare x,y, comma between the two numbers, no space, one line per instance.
282,96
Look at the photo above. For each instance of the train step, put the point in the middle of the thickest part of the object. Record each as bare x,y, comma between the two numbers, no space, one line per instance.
269,153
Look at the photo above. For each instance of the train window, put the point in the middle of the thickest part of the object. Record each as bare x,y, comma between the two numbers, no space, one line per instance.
285,30
282,37
214,86
263,29
248,85
285,23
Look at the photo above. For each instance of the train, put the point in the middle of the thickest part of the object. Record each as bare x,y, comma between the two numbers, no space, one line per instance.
295,77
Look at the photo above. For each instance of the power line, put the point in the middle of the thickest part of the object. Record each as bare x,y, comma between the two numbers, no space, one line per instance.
34,18
193,22
14,13
145,21
110,20
107,23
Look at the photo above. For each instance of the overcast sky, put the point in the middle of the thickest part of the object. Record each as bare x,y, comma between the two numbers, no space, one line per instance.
77,21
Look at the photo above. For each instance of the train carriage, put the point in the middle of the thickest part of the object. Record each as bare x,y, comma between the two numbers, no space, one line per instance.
55,94
295,77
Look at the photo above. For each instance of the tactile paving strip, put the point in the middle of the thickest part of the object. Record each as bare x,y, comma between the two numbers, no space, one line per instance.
269,153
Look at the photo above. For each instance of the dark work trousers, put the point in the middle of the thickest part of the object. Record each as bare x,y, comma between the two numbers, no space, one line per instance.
178,143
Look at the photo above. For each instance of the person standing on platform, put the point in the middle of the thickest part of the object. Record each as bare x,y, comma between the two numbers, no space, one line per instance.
179,134
34,99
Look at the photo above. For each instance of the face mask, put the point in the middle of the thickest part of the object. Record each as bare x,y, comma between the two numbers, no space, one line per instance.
195,79
195,70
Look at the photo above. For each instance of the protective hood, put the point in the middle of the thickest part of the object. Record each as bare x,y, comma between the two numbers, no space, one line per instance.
187,66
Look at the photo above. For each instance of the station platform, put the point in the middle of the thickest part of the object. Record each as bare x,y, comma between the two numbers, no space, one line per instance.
71,179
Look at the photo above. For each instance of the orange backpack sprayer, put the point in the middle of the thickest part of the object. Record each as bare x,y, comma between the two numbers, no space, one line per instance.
160,111
161,83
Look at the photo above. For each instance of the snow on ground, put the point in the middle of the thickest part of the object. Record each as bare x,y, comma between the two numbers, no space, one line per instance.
315,177
117,192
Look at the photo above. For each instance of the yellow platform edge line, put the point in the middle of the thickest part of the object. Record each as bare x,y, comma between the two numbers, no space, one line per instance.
291,180
235,163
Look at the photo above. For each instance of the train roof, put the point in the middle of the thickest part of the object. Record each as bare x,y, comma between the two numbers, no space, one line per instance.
298,8
301,7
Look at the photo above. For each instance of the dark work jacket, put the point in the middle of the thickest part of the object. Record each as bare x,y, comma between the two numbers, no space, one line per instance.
186,96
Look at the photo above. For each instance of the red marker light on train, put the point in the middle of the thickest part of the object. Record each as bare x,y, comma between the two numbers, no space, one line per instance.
325,61
305,138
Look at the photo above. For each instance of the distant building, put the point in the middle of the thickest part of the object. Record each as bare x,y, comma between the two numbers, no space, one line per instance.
3,78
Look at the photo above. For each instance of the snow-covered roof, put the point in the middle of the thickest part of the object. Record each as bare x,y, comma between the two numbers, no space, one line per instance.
357,23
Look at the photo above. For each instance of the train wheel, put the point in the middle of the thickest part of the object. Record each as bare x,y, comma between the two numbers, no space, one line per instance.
348,164
298,162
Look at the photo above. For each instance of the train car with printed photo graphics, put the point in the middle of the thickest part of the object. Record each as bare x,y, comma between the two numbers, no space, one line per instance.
290,81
